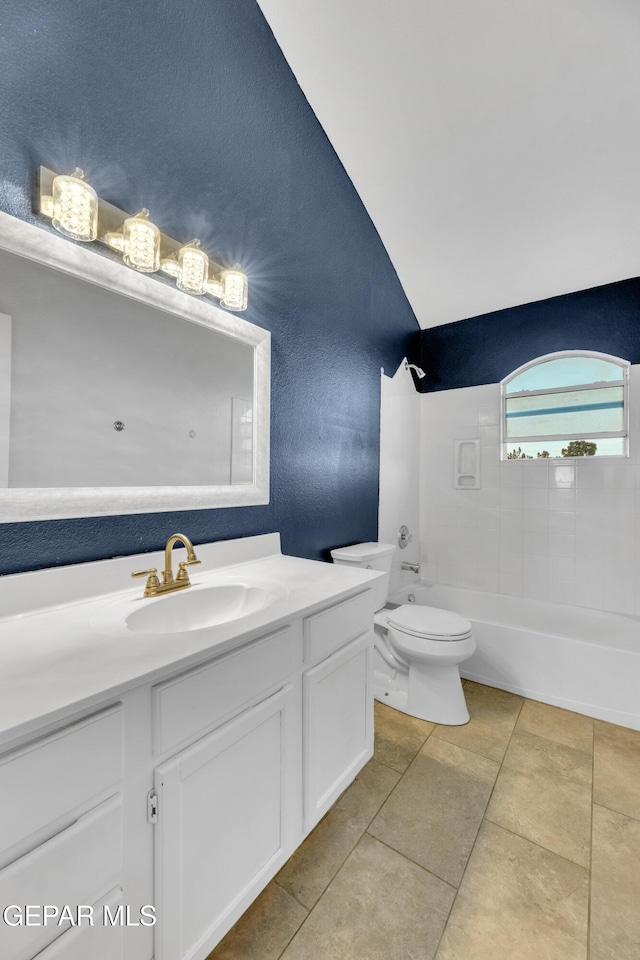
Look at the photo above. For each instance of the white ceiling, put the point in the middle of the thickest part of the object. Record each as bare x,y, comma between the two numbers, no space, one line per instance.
494,143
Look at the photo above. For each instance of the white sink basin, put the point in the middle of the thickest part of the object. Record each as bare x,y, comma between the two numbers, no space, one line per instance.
194,608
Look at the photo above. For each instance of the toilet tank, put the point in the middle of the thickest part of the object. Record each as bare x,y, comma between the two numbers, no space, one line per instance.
369,556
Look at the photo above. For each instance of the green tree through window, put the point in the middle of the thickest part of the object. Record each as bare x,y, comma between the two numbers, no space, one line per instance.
580,448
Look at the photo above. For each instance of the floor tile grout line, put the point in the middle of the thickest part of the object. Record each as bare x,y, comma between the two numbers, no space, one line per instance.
473,845
366,831
470,749
309,911
401,773
363,832
293,896
409,765
411,860
535,843
388,766
593,787
559,743
500,763
295,932
620,813
515,832
450,885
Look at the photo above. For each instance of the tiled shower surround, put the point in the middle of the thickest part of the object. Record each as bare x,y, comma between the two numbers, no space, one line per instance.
561,530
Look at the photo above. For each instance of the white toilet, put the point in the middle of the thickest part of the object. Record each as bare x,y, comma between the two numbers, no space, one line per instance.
417,648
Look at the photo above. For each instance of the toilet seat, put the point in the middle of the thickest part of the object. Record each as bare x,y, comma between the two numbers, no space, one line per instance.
428,623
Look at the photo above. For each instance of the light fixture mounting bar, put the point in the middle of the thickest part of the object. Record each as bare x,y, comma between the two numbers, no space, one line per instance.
111,219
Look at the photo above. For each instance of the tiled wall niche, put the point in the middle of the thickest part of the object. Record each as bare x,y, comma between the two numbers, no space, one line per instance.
565,531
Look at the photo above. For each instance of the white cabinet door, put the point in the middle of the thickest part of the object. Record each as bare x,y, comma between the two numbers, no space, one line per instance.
338,725
229,813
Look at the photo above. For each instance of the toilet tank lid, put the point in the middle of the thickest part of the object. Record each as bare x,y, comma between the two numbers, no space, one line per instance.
359,552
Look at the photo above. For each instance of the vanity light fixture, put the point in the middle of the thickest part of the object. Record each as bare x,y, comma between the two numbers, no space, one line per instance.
234,289
76,211
190,268
72,205
138,241
191,271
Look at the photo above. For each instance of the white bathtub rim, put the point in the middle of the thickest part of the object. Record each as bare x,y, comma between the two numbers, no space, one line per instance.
518,628
627,645
596,674
591,710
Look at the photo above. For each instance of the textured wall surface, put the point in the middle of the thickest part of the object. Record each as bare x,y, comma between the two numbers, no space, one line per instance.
191,110
485,349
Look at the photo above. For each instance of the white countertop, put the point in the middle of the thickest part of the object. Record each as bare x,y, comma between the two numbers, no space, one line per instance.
55,661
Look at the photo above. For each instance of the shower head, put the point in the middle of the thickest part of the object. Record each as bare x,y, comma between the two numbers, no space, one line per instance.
418,370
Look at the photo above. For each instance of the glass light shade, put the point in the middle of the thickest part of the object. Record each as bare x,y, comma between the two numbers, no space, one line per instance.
235,289
74,207
141,243
114,240
214,288
194,268
170,267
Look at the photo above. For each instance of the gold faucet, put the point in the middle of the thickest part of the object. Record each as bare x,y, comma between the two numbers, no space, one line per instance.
154,586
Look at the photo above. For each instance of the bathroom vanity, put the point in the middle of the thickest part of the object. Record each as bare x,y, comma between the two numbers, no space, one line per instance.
165,765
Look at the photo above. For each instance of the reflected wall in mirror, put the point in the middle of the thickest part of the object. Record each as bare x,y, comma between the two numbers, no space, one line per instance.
114,394
119,394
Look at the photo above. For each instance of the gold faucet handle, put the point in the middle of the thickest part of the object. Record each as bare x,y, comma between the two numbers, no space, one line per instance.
153,581
182,568
143,573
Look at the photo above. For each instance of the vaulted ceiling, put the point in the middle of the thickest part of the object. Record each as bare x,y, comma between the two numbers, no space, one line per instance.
494,143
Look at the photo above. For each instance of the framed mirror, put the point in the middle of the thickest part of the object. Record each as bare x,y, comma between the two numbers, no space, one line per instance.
120,394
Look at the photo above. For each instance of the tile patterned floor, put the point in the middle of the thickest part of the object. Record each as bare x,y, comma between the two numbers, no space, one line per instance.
515,837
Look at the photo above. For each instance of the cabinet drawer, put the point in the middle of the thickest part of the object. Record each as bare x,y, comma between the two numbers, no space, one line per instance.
194,702
56,775
97,942
77,866
330,629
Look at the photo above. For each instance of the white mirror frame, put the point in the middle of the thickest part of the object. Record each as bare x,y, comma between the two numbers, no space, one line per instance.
51,503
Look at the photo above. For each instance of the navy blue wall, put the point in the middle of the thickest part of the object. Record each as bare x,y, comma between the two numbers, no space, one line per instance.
485,349
191,110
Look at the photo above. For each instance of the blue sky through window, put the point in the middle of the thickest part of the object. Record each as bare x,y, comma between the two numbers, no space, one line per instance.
548,409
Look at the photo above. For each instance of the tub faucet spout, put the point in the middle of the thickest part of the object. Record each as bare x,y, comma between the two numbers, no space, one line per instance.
410,566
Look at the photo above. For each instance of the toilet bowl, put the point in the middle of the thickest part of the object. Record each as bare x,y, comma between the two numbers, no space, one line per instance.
417,648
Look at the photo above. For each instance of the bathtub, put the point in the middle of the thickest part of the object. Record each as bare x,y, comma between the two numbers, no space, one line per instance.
583,660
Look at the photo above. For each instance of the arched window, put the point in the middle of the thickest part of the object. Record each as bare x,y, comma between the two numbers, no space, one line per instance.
567,404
